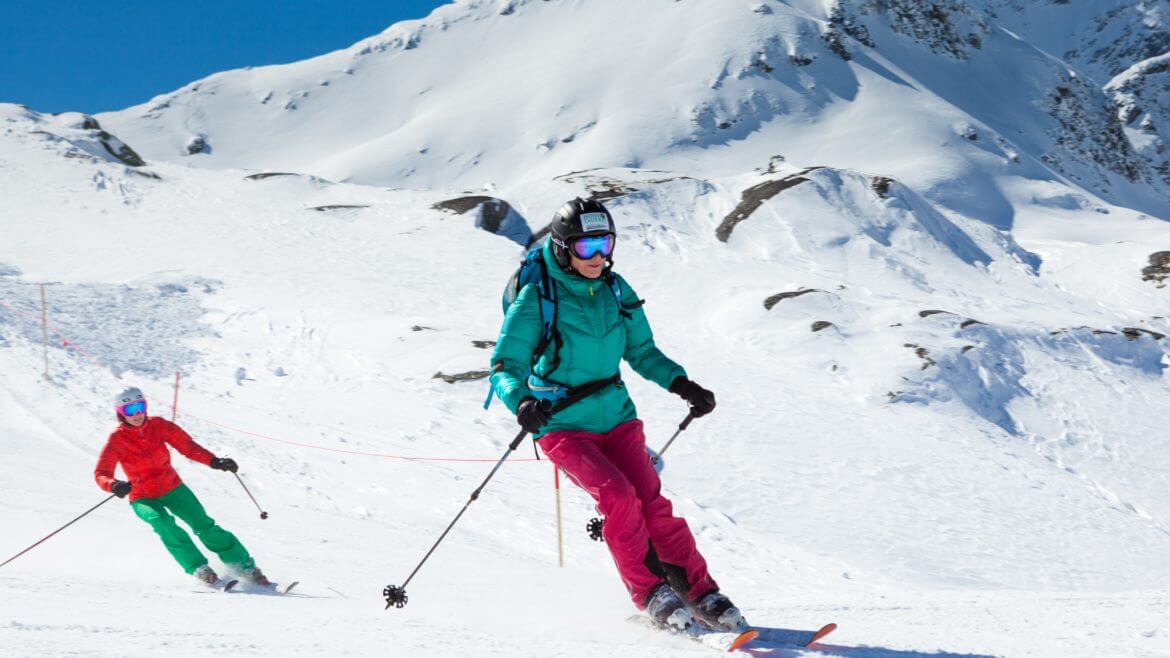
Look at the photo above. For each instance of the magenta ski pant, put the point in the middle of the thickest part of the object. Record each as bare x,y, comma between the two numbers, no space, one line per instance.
648,543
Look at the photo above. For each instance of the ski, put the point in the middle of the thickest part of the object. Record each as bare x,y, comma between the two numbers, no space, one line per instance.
275,589
794,637
820,634
284,589
733,640
223,584
718,640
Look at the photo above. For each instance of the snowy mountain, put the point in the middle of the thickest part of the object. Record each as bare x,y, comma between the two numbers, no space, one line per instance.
484,92
918,250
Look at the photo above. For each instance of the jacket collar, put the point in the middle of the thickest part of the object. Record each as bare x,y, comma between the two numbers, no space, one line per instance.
576,284
130,429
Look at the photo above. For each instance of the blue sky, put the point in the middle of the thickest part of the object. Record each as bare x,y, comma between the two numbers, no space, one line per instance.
97,55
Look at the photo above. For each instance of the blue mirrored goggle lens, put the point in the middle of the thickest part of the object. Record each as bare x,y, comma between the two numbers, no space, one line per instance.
134,408
586,248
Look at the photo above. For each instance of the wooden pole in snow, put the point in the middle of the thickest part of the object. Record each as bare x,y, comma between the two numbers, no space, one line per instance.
560,530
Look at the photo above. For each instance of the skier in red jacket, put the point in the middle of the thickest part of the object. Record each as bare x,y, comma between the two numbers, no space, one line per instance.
139,444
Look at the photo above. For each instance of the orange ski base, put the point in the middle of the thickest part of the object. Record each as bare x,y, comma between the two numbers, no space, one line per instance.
744,638
825,630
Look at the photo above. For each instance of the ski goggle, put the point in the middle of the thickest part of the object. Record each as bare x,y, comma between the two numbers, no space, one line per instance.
587,247
132,408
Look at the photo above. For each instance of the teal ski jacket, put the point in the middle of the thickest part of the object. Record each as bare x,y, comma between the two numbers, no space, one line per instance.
596,337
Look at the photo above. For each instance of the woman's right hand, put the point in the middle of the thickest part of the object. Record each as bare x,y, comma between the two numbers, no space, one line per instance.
532,414
120,488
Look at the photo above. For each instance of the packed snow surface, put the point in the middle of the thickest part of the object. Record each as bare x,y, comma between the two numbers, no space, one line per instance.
931,311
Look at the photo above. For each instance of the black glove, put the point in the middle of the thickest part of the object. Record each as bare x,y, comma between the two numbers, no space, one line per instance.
701,400
224,464
532,414
120,488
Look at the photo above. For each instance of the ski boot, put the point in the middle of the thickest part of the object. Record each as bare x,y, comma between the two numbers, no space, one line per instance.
206,575
716,612
256,577
667,609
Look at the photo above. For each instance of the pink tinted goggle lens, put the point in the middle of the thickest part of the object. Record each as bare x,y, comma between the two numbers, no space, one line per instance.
586,248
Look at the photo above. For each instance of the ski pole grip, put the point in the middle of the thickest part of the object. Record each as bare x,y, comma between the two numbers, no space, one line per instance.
686,421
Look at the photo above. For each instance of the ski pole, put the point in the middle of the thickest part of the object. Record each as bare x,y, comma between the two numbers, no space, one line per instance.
104,501
681,426
263,514
396,596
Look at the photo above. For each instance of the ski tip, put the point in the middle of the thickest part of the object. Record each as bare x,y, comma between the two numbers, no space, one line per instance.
285,589
820,635
227,587
744,638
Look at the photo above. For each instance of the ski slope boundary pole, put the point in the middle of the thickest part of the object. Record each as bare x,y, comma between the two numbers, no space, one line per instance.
560,527
46,537
175,400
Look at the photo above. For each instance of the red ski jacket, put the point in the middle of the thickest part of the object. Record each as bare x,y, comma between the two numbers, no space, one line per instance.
144,456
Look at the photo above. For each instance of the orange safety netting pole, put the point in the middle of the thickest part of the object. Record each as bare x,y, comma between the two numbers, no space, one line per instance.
175,401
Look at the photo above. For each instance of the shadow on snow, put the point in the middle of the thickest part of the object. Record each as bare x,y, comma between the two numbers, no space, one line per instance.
787,643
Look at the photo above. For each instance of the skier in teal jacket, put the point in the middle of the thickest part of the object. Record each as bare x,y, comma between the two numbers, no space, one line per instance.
598,441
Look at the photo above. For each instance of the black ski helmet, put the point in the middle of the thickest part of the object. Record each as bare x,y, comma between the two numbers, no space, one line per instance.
575,219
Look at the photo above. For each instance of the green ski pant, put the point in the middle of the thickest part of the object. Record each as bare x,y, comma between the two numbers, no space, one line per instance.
181,502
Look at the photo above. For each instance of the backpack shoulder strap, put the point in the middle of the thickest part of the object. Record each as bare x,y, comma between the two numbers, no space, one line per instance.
547,288
624,308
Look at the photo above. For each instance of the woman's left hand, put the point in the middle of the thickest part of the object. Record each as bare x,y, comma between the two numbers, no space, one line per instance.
701,400
224,464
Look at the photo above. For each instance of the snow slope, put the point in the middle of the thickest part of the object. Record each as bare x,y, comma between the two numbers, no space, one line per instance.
940,374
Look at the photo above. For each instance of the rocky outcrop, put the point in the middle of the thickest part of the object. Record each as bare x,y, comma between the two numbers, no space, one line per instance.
468,376
492,215
460,205
1138,97
779,297
269,174
1134,333
1088,134
81,136
754,197
198,144
844,24
946,27
1159,268
120,150
604,185
339,206
1122,36
922,353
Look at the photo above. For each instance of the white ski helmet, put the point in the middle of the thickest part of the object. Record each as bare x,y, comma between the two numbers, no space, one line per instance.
128,395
